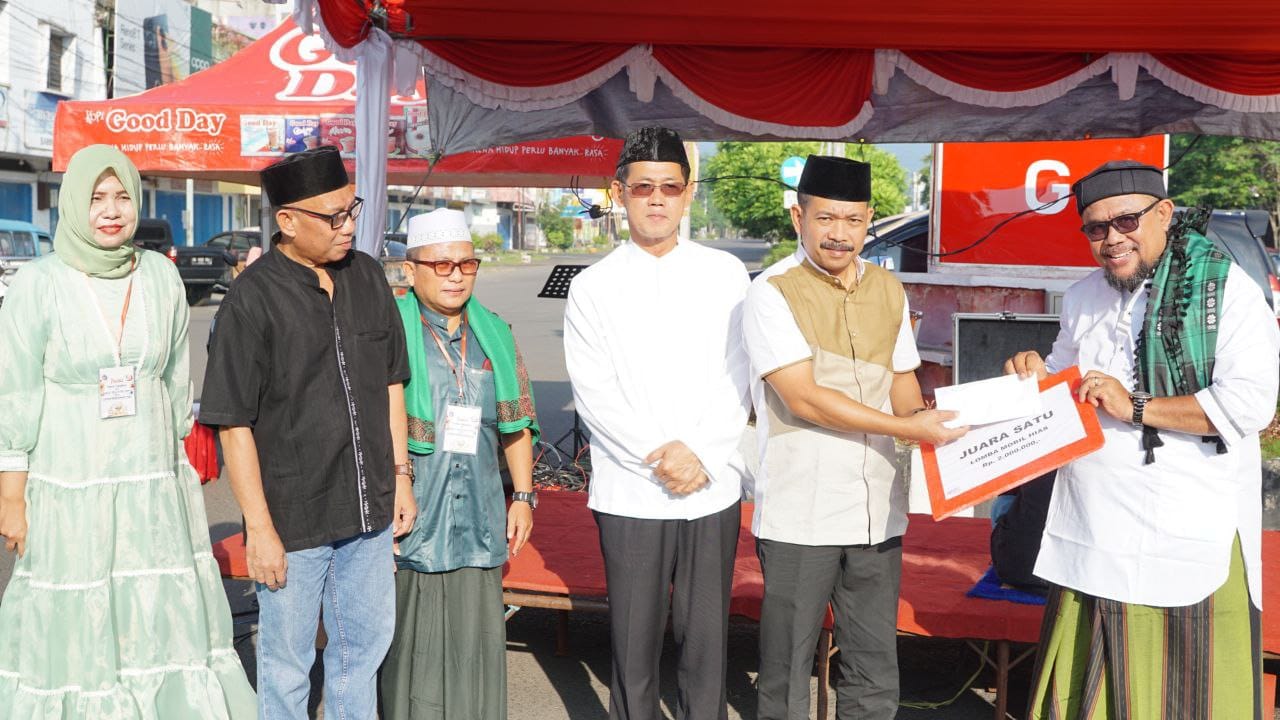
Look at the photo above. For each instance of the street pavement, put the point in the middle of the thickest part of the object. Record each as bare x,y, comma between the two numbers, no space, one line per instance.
543,685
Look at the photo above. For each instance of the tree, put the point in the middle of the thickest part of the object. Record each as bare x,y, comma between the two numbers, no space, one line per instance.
1226,173
558,229
926,179
705,217
889,179
752,200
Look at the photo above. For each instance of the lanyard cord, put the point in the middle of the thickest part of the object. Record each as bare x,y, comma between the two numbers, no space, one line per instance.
117,338
457,374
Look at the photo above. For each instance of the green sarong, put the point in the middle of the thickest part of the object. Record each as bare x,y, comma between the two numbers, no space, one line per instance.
1106,660
448,660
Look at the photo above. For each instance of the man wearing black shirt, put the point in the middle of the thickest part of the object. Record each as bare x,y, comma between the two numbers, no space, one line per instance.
305,377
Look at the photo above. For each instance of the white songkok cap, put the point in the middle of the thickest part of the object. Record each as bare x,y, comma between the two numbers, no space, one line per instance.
442,225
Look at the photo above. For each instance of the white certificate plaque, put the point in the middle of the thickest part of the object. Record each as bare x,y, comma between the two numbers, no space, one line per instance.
997,457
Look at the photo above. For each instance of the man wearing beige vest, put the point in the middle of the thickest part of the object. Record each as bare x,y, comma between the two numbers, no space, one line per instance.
832,360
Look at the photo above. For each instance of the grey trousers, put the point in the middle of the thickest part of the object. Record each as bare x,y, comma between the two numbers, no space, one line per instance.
683,565
861,583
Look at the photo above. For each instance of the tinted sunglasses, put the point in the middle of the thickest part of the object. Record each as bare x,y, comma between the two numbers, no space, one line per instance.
1124,224
444,268
643,190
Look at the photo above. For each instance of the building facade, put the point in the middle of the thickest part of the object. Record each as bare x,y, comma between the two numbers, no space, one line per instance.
49,52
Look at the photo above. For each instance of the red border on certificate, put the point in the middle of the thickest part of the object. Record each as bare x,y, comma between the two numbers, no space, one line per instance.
945,507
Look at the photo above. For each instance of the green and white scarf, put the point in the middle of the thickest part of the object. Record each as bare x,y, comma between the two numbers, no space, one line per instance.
511,380
1180,333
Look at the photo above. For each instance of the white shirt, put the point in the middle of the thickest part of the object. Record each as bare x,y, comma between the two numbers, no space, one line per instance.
841,510
653,346
1161,534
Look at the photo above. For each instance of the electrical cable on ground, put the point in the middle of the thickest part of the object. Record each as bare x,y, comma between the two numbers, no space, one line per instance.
963,688
559,474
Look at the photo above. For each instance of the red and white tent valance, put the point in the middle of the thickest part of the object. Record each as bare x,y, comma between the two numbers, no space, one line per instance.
801,88
502,71
825,93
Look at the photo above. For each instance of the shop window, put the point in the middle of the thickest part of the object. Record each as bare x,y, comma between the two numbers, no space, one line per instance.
59,44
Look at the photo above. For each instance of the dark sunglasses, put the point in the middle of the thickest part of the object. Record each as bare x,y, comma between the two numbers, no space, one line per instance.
1124,224
444,268
336,220
644,190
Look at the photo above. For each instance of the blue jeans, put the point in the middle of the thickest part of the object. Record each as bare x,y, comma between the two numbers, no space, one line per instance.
354,580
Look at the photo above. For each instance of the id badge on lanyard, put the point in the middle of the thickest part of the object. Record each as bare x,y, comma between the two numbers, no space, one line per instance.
117,392
461,421
461,429
118,384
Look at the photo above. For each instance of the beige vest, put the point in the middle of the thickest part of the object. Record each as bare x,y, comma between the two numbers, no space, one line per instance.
825,487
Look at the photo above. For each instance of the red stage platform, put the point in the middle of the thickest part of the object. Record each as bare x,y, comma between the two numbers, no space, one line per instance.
561,569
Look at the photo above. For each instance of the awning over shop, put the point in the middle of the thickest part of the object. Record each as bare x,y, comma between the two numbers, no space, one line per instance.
286,92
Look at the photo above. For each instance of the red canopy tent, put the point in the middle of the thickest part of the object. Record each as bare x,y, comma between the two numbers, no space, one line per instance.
502,71
231,120
914,70
1228,26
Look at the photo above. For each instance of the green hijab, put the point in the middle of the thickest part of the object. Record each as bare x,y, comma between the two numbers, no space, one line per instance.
73,242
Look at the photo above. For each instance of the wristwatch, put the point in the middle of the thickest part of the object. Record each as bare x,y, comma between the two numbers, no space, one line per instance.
405,469
526,497
1139,400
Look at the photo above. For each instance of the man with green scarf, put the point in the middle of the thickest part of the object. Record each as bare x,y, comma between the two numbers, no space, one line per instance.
468,399
1153,541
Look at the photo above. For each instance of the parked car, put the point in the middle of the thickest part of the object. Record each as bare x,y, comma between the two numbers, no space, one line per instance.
1245,236
200,269
1242,234
211,267
899,243
20,243
154,234
220,259
23,241
395,245
237,242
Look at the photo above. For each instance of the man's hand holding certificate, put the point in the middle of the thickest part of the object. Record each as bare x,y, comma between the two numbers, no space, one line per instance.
1021,427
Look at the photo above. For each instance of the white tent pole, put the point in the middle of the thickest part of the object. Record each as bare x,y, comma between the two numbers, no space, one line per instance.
374,72
189,218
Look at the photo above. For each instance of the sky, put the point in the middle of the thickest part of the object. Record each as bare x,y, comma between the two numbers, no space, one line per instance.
911,155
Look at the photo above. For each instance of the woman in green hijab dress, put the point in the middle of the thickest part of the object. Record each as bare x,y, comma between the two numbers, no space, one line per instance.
115,610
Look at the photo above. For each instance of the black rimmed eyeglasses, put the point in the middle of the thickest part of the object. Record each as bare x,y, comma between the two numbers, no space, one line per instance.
336,220
1124,224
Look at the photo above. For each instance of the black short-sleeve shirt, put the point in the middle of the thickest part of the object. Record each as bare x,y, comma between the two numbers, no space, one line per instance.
310,378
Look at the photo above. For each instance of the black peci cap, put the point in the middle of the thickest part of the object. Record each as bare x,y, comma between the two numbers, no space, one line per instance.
302,175
836,178
654,144
1118,177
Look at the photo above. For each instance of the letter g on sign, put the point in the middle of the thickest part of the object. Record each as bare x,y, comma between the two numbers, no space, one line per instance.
1058,190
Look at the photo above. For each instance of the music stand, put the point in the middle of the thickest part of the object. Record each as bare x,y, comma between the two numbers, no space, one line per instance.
557,287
